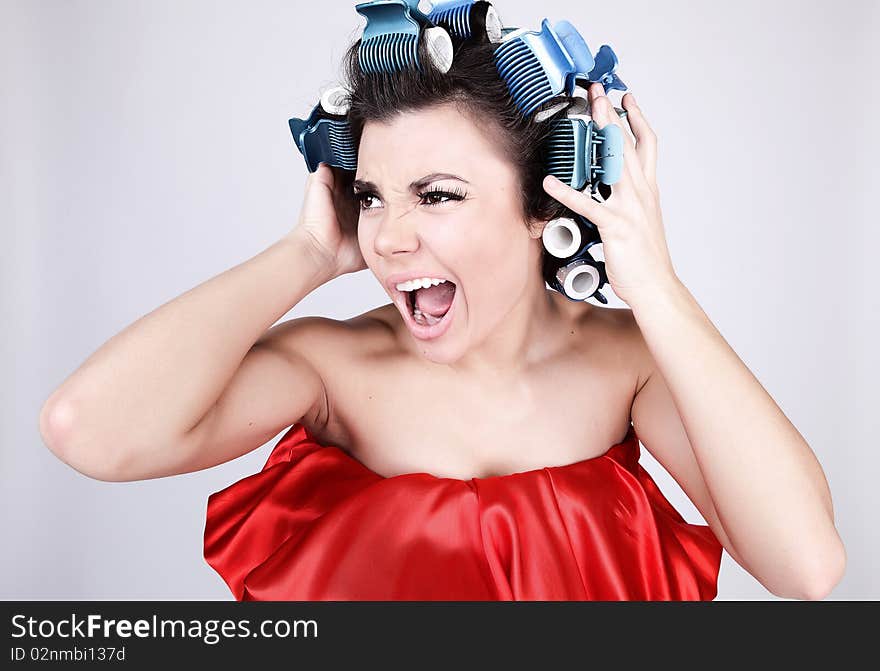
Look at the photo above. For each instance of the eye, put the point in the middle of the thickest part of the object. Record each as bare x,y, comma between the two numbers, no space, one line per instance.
433,197
361,197
452,194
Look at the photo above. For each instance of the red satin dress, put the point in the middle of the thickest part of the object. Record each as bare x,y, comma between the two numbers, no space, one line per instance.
315,524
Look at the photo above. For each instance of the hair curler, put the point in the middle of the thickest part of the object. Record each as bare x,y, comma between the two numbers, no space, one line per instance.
325,135
467,18
581,154
578,278
564,237
568,267
538,66
391,37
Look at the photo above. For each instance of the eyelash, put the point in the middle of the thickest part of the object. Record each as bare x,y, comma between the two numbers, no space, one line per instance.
452,193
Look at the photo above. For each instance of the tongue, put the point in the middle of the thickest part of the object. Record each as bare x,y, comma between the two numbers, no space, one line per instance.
435,300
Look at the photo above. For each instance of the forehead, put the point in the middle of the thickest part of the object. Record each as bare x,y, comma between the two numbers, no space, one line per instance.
439,138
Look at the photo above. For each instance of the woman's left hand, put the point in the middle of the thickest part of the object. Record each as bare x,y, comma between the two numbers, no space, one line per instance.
630,223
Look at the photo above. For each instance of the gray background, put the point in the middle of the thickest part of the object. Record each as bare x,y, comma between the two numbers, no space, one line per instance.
144,148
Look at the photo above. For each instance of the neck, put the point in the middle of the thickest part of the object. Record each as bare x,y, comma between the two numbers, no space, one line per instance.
526,337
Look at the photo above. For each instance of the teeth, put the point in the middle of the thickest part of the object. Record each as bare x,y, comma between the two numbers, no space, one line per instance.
422,318
418,283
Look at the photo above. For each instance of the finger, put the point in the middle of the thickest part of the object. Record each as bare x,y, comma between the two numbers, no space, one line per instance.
323,174
618,117
645,136
604,113
624,189
578,201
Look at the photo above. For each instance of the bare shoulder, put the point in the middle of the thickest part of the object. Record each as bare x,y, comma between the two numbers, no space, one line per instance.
621,338
325,342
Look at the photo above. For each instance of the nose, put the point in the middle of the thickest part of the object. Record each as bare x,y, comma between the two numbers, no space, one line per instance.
396,232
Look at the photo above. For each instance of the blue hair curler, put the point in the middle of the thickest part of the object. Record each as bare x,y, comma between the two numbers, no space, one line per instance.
323,138
537,66
464,18
390,40
581,154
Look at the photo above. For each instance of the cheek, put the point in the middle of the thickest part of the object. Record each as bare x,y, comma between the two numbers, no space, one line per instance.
368,251
365,241
492,263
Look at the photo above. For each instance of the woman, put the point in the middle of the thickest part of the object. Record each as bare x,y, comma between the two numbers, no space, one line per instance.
486,448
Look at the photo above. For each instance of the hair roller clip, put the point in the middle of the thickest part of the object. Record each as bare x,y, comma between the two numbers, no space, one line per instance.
464,18
390,39
603,72
540,65
581,154
323,138
577,279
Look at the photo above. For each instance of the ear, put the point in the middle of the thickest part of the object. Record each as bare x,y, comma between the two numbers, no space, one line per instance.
536,227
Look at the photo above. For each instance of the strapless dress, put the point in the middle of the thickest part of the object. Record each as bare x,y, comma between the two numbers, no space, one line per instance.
315,524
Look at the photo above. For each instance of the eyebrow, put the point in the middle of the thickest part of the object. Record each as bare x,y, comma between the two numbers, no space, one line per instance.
360,185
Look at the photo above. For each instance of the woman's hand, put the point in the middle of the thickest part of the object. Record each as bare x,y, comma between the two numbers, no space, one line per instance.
329,218
630,222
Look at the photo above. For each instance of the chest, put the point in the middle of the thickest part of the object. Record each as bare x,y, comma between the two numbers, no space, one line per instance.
402,418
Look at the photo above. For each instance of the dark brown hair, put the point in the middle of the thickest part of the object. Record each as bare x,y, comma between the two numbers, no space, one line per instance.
474,86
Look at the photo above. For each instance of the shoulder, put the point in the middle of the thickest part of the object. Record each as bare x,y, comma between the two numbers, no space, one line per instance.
329,342
621,338
301,334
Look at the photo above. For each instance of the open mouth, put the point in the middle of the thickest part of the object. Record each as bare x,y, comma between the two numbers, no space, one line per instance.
425,318
429,308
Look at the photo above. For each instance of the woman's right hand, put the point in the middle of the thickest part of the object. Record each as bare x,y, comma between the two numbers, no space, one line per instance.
329,218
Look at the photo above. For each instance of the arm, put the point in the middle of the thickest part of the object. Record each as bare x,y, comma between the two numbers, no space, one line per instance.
144,404
740,459
700,410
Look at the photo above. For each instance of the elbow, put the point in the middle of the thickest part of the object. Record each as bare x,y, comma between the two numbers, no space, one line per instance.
56,425
822,580
59,434
835,568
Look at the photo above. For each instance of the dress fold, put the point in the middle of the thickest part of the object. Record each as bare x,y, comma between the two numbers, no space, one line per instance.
315,524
